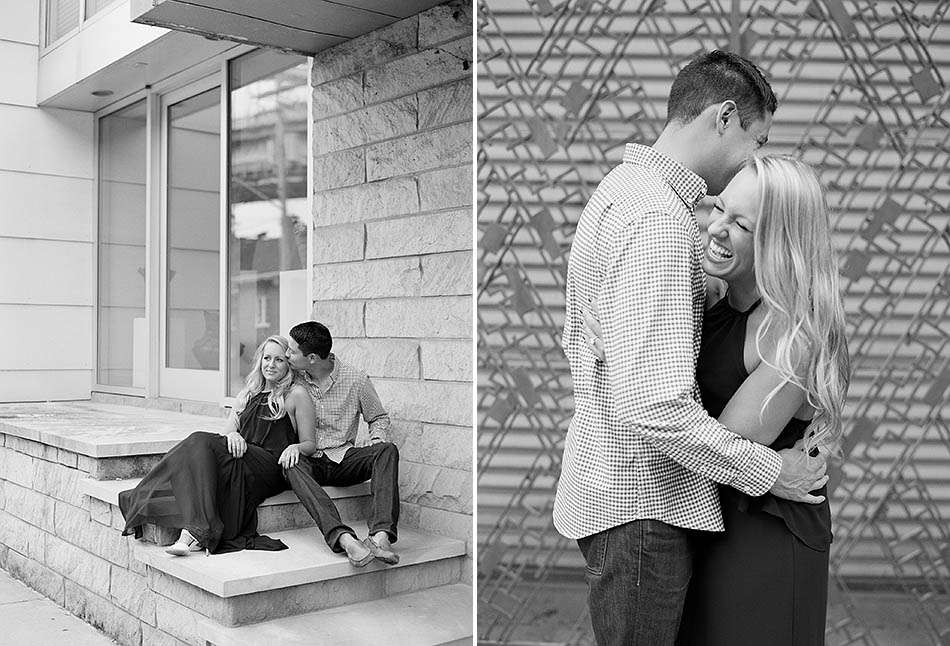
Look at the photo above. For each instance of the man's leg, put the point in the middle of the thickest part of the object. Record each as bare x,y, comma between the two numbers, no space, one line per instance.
318,504
381,463
637,577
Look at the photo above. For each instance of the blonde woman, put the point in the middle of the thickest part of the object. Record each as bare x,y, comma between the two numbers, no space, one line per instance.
210,484
773,358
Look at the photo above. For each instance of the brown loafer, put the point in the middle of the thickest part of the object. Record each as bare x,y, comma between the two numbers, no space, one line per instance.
360,562
381,553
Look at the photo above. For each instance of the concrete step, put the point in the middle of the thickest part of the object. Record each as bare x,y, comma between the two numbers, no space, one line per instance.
252,586
96,450
277,513
437,616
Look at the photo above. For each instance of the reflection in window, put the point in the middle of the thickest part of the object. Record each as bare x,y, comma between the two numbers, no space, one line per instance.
123,346
193,212
267,241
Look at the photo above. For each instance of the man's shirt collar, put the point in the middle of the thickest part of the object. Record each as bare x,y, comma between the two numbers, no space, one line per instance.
689,186
330,379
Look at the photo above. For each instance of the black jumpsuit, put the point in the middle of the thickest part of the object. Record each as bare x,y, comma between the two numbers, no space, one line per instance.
765,580
201,487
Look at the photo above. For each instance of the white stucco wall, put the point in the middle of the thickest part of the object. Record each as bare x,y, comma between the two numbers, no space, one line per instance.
47,287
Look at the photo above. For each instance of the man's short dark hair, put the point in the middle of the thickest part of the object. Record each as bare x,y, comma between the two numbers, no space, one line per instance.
719,76
312,338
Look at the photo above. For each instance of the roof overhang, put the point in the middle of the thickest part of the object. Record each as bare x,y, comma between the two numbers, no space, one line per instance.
301,26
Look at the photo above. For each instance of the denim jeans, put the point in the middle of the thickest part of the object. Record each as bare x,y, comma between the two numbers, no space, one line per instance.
377,461
637,577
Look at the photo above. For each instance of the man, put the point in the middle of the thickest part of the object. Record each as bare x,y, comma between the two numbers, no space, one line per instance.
340,394
642,456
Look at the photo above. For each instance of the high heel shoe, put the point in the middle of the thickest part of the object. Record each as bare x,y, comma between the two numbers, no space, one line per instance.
185,544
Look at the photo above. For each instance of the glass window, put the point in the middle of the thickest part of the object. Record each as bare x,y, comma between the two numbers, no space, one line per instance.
62,16
193,214
93,7
123,345
267,193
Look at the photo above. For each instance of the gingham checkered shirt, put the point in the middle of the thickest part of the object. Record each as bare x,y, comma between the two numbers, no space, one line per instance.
640,444
338,401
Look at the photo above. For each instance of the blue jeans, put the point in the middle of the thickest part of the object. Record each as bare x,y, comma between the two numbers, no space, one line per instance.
637,577
379,462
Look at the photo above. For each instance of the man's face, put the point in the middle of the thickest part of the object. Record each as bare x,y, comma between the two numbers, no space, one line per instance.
295,357
736,147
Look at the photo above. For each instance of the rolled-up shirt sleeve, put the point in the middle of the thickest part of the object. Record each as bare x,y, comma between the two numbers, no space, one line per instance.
646,309
373,412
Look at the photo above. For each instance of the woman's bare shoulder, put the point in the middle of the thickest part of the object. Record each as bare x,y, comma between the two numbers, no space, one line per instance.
298,392
770,337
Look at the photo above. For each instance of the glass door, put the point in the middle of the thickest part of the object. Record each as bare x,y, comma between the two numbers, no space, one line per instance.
122,333
191,296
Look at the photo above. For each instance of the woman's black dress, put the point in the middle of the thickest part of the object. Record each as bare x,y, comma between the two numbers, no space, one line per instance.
765,580
201,487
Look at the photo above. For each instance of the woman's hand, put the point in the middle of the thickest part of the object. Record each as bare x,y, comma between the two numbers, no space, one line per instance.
236,444
592,330
290,457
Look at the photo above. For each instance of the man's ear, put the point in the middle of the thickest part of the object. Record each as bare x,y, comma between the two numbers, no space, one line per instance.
727,113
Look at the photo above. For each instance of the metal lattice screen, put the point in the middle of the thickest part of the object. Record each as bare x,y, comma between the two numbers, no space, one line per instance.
862,86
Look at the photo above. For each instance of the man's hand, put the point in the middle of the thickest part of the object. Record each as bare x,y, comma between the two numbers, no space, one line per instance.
236,444
290,457
800,474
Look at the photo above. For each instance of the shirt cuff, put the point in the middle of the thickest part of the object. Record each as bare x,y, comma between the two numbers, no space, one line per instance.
761,474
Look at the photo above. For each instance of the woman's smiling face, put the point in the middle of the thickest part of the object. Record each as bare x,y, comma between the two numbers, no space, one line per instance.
730,253
274,364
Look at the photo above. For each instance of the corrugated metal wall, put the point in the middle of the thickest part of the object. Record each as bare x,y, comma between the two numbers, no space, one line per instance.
862,87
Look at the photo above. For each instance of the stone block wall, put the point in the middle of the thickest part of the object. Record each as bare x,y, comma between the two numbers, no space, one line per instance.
393,242
69,548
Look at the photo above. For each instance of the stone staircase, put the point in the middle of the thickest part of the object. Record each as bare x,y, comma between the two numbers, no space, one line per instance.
275,514
303,595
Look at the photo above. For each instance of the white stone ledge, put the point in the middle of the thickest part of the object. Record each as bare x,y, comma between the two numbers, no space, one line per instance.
108,491
440,615
308,560
100,430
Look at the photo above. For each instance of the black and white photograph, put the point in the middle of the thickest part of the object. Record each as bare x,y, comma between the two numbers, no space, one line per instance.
508,323
713,282
236,271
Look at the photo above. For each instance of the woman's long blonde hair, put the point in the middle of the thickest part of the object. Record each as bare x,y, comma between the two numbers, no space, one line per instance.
255,381
796,271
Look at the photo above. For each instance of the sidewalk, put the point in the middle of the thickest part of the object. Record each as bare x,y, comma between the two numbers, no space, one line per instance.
30,619
558,616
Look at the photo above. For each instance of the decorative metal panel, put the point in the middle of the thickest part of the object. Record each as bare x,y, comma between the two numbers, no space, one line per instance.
862,88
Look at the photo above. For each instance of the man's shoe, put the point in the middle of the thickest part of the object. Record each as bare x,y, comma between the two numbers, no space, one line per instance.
381,550
354,555
185,544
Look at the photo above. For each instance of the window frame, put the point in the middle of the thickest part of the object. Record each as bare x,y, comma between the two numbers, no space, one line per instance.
45,44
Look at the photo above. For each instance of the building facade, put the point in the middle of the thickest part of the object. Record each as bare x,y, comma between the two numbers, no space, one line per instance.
180,180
